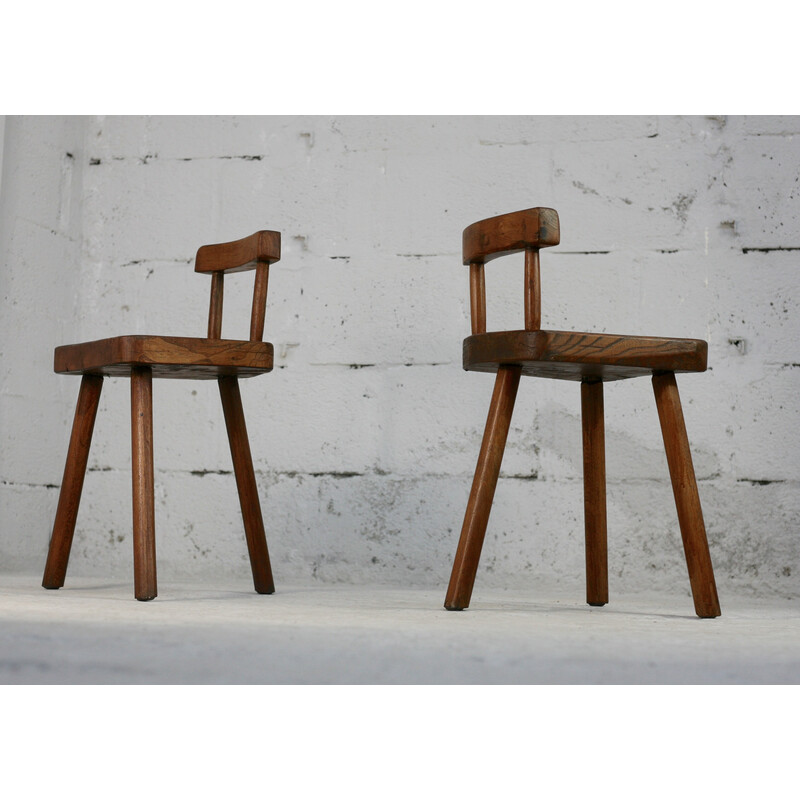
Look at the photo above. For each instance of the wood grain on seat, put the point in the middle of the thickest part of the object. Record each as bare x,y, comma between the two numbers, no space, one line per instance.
576,356
167,356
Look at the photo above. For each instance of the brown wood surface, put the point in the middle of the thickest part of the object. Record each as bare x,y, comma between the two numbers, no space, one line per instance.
243,254
510,233
141,358
69,497
533,291
477,298
259,303
246,484
168,356
571,355
479,505
594,492
144,516
215,305
687,498
591,358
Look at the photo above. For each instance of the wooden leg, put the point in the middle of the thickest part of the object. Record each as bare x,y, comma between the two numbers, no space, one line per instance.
246,484
594,493
687,499
144,517
465,565
69,498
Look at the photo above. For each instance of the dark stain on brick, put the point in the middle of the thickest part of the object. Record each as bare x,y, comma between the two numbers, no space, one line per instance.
739,344
580,252
769,249
201,473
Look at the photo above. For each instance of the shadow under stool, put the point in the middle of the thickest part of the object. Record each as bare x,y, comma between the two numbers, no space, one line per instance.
591,359
142,358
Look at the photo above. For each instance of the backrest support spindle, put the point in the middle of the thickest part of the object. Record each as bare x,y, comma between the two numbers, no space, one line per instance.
259,303
477,296
215,306
533,290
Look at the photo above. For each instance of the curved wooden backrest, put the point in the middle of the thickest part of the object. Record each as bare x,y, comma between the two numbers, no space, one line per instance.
262,247
528,231
510,233
256,251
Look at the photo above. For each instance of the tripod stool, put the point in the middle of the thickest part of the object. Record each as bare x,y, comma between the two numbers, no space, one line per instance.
591,359
142,358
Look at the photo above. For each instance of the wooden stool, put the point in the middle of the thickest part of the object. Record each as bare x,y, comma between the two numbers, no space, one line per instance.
591,359
141,358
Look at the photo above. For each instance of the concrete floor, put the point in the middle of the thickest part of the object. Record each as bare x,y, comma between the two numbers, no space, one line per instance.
94,632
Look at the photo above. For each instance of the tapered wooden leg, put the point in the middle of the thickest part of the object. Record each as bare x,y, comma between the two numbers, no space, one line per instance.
465,565
69,498
687,499
246,484
594,493
144,515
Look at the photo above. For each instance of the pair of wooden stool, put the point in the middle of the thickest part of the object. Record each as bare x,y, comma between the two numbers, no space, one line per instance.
588,358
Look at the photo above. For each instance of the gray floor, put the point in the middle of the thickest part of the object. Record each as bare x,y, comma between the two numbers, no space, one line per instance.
94,632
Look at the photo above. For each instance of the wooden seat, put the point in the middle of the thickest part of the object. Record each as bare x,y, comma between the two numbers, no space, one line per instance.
167,357
572,356
592,359
142,358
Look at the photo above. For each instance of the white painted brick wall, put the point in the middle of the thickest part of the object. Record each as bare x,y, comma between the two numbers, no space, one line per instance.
365,441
